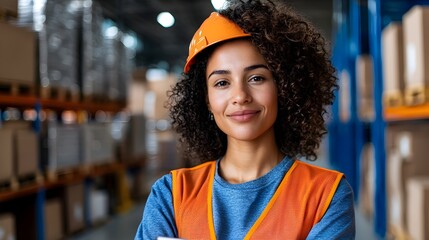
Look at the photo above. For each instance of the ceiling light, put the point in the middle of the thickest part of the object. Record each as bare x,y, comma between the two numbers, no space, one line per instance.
165,19
218,4
130,41
111,32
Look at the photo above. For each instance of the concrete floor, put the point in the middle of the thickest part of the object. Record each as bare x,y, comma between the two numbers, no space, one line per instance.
122,226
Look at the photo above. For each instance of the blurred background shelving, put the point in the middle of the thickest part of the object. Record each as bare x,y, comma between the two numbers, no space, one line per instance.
83,130
380,117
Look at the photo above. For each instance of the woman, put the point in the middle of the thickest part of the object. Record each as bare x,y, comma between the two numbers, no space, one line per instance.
252,100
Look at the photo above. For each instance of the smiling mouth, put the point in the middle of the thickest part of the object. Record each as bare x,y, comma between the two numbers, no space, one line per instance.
243,116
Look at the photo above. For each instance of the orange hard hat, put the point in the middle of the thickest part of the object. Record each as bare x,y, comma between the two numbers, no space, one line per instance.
216,28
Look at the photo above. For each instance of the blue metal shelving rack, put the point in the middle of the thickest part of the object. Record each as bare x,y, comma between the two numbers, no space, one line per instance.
355,19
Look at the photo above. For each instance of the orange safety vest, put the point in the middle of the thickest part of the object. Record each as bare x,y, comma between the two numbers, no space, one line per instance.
299,202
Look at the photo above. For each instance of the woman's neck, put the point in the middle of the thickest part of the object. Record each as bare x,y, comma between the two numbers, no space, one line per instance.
248,160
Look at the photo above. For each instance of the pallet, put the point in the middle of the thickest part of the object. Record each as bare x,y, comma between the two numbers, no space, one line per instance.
6,14
95,99
100,168
68,173
393,99
416,96
59,94
397,234
11,88
15,183
9,185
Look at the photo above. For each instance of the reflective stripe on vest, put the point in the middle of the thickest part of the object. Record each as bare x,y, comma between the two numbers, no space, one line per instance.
299,202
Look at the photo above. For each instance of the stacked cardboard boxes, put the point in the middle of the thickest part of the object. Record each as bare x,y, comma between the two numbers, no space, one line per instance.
416,38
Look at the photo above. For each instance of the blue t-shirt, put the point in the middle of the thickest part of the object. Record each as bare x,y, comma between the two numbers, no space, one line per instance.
236,207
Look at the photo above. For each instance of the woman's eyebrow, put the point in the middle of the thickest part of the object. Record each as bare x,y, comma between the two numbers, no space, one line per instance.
253,67
219,72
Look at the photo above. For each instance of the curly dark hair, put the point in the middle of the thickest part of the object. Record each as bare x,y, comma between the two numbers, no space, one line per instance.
296,55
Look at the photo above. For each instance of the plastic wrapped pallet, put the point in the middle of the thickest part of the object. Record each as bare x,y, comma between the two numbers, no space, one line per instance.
118,66
61,147
97,144
125,72
98,206
92,51
111,83
59,47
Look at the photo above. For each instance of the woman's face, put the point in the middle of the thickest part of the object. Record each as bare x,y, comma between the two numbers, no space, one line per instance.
242,94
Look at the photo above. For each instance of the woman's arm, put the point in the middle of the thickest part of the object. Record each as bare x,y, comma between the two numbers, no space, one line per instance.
339,220
158,214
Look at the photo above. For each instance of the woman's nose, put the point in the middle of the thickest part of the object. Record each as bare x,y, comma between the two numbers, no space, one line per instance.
241,94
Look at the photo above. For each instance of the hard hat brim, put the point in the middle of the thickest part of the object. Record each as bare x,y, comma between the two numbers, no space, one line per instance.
215,29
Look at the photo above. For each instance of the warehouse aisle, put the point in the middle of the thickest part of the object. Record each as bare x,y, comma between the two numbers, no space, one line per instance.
122,226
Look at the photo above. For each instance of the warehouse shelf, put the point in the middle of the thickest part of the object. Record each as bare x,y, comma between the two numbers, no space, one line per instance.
31,101
17,101
358,31
404,113
87,106
85,173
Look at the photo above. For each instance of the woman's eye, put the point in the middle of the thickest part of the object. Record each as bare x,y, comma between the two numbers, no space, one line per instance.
256,79
221,83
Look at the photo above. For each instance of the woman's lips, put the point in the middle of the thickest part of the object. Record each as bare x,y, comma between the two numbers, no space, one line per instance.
243,116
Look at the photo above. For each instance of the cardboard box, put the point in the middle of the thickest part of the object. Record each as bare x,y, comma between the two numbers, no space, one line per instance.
53,220
74,202
7,226
156,96
418,207
365,79
10,5
412,144
405,159
136,96
344,96
18,55
136,138
27,152
393,64
396,195
6,154
416,38
367,180
26,147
